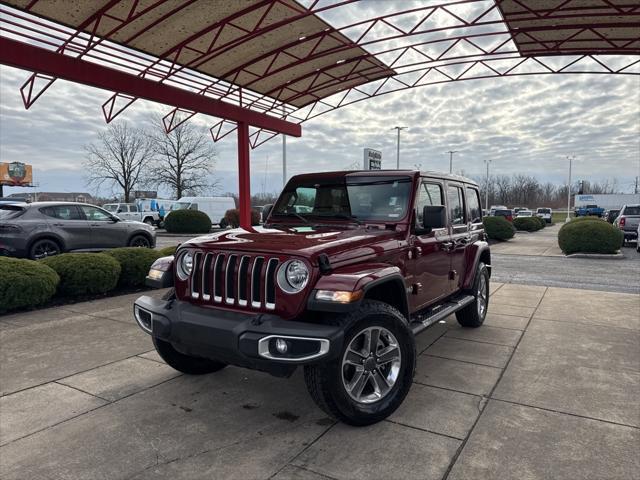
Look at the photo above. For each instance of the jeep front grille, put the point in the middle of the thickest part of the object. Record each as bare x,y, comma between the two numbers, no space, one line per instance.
234,279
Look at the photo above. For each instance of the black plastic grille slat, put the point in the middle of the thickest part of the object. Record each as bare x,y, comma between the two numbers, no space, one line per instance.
217,278
270,284
242,280
206,276
196,285
230,281
256,272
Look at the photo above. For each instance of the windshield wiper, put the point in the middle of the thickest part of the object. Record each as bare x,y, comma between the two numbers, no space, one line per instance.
289,214
345,216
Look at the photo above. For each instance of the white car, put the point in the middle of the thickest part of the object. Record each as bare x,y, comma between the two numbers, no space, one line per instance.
130,211
214,207
524,213
544,213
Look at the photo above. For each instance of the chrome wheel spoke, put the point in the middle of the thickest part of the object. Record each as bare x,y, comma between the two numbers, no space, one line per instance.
353,358
388,354
358,383
374,336
380,384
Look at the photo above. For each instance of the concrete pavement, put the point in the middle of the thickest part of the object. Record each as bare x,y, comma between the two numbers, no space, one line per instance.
547,388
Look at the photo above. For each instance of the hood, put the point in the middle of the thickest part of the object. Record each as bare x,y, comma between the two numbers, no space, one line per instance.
339,244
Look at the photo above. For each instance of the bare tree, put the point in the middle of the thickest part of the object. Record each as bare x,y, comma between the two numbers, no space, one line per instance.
184,159
119,158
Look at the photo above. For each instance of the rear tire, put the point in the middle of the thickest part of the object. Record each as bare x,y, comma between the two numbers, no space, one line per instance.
185,363
148,221
473,315
43,248
374,371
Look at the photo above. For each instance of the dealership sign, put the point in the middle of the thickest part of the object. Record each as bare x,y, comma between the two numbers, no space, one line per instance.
372,159
16,174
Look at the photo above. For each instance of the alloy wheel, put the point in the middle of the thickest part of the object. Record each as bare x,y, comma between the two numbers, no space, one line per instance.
482,296
371,364
45,248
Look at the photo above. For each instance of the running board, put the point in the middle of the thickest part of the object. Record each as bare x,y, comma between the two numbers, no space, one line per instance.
433,315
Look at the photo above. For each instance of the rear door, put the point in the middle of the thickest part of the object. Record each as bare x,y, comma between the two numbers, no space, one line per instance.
430,264
476,228
68,222
460,234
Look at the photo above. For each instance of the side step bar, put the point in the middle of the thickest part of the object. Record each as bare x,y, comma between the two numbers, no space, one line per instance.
428,317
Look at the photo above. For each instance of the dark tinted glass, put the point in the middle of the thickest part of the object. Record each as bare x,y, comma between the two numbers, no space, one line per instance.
62,212
456,205
474,205
8,212
632,211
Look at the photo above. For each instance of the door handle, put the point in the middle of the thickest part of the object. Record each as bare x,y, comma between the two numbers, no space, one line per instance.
447,245
95,224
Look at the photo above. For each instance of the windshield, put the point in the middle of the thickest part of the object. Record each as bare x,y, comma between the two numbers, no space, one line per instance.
180,206
363,198
8,212
544,210
111,207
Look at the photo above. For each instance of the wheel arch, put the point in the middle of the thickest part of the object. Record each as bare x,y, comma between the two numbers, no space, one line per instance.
46,235
137,233
478,252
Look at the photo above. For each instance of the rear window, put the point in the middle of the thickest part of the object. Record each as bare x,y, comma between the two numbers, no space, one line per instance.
7,212
632,210
544,210
503,212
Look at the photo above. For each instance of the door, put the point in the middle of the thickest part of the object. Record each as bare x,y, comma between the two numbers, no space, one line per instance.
68,222
476,228
105,232
429,264
460,235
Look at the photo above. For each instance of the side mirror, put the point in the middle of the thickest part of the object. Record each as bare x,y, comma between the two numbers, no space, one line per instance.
266,210
119,210
115,218
434,217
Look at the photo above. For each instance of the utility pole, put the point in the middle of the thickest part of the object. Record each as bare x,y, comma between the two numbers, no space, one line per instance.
398,146
569,190
451,152
486,191
635,190
284,160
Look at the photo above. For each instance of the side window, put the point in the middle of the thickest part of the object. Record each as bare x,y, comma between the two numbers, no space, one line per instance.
429,194
62,212
94,214
193,206
456,206
473,200
133,208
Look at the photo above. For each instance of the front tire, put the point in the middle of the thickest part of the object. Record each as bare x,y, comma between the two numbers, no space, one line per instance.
473,315
140,241
374,371
44,248
185,363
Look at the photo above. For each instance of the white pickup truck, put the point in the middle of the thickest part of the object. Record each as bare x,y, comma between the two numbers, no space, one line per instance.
130,211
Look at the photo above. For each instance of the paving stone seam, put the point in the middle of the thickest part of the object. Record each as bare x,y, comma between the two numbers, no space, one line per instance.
476,341
306,469
109,402
490,396
560,412
75,373
307,447
451,389
434,341
465,361
81,391
150,359
635,330
413,427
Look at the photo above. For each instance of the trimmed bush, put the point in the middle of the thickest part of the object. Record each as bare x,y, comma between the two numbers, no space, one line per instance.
527,224
134,264
166,251
589,237
84,273
232,217
541,221
25,283
498,228
586,219
187,221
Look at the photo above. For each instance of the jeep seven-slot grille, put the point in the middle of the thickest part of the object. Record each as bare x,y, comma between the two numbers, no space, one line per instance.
234,279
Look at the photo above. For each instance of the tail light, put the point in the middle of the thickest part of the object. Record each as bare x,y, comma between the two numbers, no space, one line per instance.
8,228
622,222
510,218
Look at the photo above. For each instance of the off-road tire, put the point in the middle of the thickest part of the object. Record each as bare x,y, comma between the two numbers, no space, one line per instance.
324,381
185,363
470,316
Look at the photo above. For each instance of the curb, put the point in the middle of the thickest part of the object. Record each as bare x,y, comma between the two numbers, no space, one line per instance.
606,256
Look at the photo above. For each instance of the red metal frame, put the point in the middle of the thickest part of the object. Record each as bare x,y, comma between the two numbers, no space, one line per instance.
244,175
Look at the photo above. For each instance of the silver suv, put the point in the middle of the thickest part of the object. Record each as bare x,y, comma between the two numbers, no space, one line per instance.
42,229
628,220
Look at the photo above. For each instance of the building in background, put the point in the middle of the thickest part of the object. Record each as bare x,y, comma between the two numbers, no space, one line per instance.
82,197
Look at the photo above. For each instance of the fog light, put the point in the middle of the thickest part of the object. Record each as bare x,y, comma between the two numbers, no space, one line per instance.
281,346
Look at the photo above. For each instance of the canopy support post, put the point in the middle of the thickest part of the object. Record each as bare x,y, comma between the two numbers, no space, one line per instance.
244,176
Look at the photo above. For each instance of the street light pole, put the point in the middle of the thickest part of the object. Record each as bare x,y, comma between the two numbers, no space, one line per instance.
486,191
451,152
398,146
569,190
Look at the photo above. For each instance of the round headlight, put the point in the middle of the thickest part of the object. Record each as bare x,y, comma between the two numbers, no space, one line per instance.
293,276
185,265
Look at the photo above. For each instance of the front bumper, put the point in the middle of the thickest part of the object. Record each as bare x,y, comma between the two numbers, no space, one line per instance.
245,340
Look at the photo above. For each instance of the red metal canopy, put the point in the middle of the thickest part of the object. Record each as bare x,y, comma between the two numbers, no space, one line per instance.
273,64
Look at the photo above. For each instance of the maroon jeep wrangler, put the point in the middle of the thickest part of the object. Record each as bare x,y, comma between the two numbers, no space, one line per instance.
347,269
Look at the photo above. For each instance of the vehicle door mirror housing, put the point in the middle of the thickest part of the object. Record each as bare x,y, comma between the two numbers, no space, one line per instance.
434,217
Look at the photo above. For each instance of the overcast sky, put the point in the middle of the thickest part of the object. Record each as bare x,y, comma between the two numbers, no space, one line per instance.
524,125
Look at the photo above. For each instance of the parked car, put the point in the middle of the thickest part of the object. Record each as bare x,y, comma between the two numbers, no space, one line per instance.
589,210
506,213
628,221
341,290
525,213
492,210
41,229
12,200
611,215
517,210
214,207
130,211
544,213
